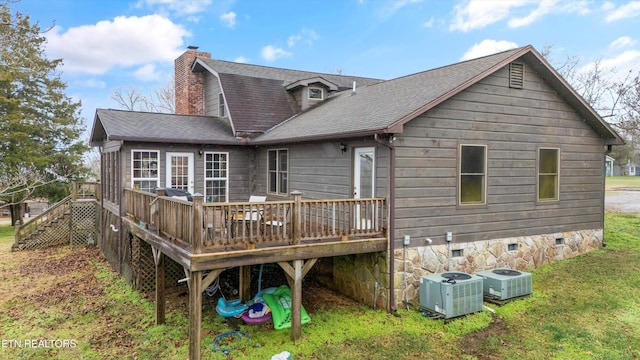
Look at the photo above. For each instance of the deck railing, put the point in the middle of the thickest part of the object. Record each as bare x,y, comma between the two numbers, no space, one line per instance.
241,225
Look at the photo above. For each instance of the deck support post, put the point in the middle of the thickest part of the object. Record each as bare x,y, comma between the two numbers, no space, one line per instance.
158,259
245,283
195,314
296,217
197,223
295,273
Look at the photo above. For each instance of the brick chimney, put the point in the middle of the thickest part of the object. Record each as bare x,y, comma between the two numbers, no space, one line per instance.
189,85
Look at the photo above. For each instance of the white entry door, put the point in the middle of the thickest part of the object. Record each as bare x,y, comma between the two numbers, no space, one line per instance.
180,171
363,172
363,183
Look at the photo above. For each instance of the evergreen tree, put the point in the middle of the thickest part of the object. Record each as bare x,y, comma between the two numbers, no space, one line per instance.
40,127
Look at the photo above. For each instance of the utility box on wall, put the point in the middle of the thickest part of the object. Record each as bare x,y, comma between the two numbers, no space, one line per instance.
451,294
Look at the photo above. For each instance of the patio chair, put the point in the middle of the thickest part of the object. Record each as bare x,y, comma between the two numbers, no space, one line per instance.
253,215
274,222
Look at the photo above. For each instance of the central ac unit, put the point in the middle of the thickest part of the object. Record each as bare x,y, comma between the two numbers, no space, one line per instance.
504,284
451,294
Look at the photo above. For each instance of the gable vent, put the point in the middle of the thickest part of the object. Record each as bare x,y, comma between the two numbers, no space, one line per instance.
516,75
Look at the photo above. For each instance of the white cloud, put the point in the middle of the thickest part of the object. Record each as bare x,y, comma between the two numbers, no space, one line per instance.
623,63
272,53
125,41
389,8
305,36
181,7
621,42
620,65
241,59
229,19
488,47
147,73
628,10
92,83
477,14
544,8
429,23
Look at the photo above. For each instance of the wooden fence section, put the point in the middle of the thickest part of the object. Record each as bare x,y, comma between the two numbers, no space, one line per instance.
213,227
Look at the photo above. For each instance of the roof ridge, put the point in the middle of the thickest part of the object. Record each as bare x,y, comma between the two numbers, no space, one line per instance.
287,69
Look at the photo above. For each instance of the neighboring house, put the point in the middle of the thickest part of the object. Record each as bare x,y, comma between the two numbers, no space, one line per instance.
609,167
499,152
630,169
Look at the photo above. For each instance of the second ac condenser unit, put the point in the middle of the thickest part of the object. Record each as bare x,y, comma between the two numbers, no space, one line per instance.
503,284
451,294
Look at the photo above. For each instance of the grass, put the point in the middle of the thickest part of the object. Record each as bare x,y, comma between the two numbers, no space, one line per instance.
587,307
622,181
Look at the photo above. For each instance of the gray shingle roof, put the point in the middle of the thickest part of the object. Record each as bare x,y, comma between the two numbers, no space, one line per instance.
159,127
256,104
384,107
285,75
376,107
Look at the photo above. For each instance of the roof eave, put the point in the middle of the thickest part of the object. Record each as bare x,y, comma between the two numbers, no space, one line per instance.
322,137
174,141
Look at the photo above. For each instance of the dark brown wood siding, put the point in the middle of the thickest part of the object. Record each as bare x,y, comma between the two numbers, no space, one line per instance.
513,124
240,163
322,171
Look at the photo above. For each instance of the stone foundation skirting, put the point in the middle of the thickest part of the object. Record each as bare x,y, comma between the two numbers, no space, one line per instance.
366,277
520,253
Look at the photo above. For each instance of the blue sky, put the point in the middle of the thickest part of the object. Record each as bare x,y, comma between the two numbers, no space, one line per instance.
114,44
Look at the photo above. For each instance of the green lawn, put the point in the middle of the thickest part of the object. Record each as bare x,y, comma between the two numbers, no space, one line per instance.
587,307
622,181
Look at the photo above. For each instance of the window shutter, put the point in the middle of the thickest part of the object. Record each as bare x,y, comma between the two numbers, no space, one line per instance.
516,75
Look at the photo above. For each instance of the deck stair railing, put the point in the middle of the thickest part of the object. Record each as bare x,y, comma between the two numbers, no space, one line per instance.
245,225
53,216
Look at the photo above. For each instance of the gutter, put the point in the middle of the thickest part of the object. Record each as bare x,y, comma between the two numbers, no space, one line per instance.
391,217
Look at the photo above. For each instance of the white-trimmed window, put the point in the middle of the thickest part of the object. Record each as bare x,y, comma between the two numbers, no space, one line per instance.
315,93
472,186
548,174
145,175
216,176
221,108
278,176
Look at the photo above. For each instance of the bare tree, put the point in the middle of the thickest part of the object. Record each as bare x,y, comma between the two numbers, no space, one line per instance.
161,99
611,96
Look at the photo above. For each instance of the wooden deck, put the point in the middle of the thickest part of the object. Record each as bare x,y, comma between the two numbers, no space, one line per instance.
206,238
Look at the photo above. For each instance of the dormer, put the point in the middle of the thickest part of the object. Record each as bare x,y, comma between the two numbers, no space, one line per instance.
310,92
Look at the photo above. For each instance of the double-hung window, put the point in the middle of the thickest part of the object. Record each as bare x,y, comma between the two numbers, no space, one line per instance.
472,185
216,176
278,177
548,174
144,169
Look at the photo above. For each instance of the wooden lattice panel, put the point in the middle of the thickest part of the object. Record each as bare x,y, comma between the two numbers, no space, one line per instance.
145,271
84,223
53,234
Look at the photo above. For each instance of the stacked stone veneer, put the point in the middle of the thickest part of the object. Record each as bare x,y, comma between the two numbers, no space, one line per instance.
356,276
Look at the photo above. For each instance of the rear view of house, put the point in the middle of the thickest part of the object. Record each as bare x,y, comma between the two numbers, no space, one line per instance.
491,162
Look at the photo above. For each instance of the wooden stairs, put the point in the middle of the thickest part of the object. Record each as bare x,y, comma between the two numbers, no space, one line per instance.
73,222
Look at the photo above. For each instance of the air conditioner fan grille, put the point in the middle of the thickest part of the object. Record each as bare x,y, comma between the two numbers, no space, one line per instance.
456,276
506,272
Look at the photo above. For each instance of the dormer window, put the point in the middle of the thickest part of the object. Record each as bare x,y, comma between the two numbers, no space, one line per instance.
315,93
